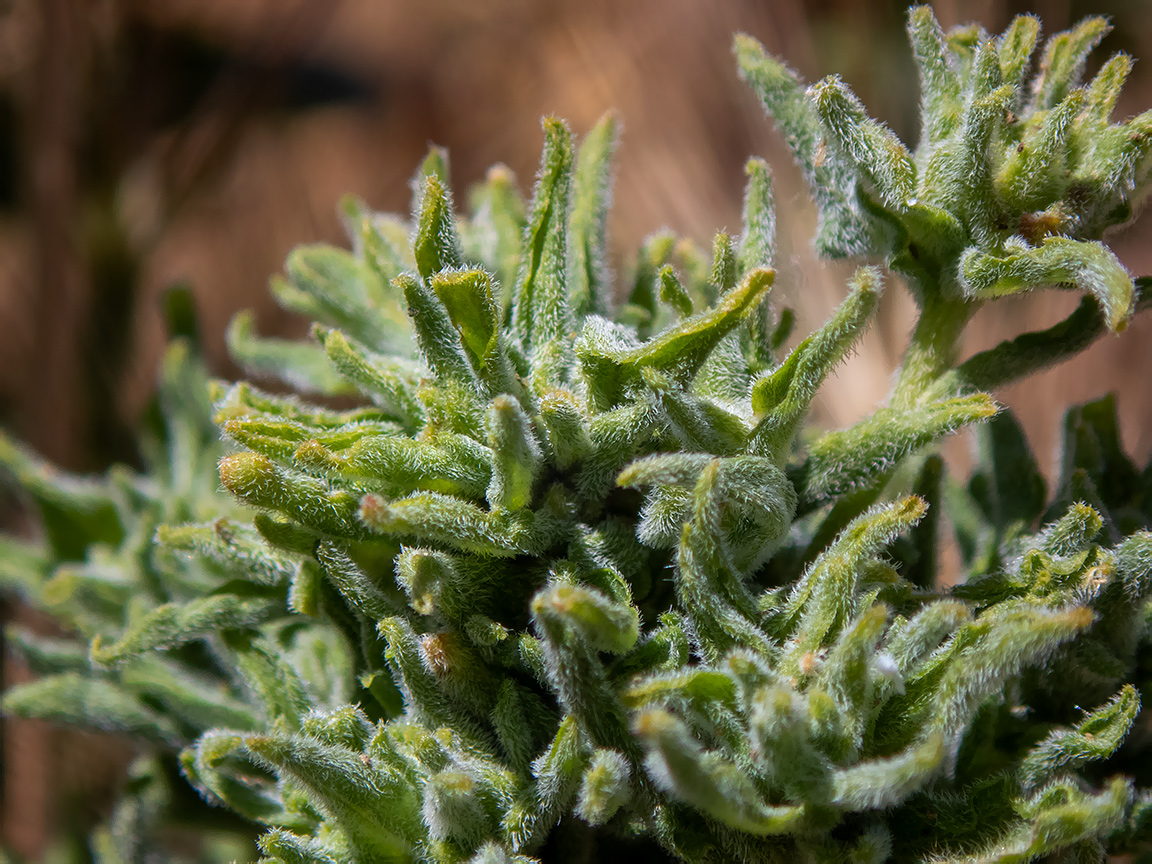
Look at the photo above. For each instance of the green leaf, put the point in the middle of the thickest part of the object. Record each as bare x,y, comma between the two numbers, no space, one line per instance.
724,272
222,770
605,787
257,481
345,293
357,588
1036,173
1063,61
1017,358
516,459
782,397
375,808
73,698
880,783
1058,817
758,237
268,673
678,764
846,675
390,465
1106,86
923,570
940,97
825,598
565,428
436,245
24,566
602,624
467,295
1090,266
76,512
558,774
380,239
1016,47
1095,737
1092,445
701,424
970,184
414,667
303,367
914,643
876,152
672,292
655,252
498,226
44,655
589,289
779,722
388,383
708,574
438,340
681,350
493,853
1012,639
459,524
191,699
174,624
238,550
846,228
839,462
289,848
541,314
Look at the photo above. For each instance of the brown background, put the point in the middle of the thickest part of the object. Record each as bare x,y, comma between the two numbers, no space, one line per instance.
144,142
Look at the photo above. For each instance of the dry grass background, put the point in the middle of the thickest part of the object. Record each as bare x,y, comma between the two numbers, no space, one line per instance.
152,141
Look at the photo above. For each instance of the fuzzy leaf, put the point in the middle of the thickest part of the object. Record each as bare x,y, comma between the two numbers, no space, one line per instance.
876,152
174,624
459,524
1063,61
823,601
1016,47
680,350
846,228
782,397
375,808
449,464
839,462
939,86
257,481
438,340
498,227
436,245
73,698
541,315
589,289
881,783
678,764
1090,266
389,384
304,367
604,788
1095,737
347,294
516,455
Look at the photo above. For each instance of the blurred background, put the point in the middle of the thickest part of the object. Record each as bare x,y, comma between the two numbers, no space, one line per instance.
146,142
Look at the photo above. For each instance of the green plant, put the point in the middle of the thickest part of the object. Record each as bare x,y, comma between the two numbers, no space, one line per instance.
577,582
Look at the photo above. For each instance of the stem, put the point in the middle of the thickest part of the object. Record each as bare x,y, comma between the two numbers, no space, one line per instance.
934,346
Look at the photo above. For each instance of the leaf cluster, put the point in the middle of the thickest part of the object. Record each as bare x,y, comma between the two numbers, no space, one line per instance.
574,579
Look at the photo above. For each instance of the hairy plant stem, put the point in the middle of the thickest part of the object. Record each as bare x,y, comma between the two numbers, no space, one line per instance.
933,347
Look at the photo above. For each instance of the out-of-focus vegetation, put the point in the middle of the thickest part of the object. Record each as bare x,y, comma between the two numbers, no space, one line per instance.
149,141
